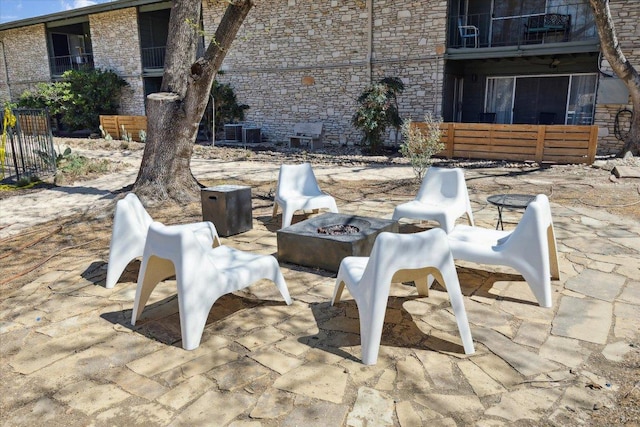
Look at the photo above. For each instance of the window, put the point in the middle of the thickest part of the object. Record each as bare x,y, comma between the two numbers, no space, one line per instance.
557,99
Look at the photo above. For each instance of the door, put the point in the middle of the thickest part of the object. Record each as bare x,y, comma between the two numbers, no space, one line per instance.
540,100
499,98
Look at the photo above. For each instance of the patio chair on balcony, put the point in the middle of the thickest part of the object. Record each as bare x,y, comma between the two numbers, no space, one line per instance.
538,26
486,117
546,118
203,274
468,32
368,280
443,197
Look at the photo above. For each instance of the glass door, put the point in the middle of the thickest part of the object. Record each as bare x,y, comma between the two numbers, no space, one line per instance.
499,99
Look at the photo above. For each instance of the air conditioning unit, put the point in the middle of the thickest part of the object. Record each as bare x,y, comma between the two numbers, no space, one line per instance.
233,133
251,135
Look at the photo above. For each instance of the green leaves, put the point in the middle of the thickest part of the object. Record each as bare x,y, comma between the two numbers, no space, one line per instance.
378,109
79,99
421,142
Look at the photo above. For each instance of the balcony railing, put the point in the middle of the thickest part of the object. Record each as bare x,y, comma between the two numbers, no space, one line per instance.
153,57
556,24
60,64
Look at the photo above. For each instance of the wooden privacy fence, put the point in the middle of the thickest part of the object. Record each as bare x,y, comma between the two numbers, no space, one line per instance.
540,143
132,126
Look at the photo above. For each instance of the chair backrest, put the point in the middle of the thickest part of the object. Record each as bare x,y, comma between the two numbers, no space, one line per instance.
441,184
464,28
180,242
393,252
297,180
546,118
530,237
313,130
486,117
132,208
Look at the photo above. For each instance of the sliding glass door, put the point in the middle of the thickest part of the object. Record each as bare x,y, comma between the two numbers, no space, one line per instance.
565,99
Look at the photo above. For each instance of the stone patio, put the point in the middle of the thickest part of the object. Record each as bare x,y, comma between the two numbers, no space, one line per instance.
70,356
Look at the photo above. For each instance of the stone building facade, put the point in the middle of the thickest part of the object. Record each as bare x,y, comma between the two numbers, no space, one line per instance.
298,61
116,44
309,62
626,18
24,61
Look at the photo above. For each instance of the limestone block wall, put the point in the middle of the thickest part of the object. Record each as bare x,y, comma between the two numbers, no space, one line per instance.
116,46
626,16
296,61
408,41
24,61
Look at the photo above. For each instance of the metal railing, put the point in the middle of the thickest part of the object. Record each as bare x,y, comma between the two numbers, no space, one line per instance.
556,24
153,57
27,149
60,64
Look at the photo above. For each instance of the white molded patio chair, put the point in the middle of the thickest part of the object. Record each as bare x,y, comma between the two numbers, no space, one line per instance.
203,274
443,197
393,256
130,224
298,190
530,248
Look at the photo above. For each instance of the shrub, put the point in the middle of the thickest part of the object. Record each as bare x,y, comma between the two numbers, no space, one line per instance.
421,143
79,99
227,109
378,109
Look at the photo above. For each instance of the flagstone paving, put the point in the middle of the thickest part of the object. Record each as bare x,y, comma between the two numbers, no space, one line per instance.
70,356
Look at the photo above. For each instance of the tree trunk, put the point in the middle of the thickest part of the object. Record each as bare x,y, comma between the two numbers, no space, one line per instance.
174,114
621,66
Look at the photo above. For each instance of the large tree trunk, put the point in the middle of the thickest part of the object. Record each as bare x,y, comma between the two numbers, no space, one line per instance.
173,114
621,66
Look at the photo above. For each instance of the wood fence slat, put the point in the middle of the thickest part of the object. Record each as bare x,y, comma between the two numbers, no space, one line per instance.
132,124
540,144
450,140
557,143
580,145
490,149
593,145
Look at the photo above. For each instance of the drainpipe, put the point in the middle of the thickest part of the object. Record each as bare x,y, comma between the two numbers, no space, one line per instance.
370,40
6,69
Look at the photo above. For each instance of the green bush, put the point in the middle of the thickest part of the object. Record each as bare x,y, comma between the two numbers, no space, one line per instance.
421,144
79,99
378,109
227,109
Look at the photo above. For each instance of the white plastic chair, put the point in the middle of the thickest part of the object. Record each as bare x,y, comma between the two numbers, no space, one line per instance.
130,224
203,274
369,279
530,248
443,197
298,190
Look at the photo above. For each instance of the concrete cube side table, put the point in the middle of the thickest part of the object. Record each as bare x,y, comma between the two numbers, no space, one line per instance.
228,207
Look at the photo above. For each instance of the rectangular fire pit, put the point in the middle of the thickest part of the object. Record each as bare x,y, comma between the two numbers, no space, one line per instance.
303,244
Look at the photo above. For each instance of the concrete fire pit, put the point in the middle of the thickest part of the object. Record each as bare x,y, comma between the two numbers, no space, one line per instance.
303,243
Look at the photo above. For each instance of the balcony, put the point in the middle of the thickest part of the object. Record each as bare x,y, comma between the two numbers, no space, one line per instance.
153,57
60,64
568,24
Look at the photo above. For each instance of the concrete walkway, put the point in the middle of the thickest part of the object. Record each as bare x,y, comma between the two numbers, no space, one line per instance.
70,356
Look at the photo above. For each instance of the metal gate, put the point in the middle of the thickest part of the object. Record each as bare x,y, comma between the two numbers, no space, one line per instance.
26,145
